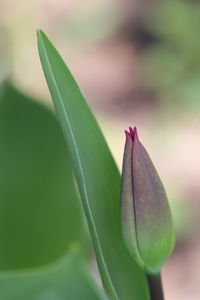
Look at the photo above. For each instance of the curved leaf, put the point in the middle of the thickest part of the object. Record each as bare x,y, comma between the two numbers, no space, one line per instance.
39,210
97,176
67,279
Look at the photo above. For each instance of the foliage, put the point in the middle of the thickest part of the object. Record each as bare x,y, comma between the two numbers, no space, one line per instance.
44,246
97,177
172,66
40,216
68,278
37,224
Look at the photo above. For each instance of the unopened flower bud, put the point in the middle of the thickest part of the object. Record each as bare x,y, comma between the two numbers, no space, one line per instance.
146,219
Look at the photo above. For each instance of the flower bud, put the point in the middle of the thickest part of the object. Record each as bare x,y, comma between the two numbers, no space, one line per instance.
146,219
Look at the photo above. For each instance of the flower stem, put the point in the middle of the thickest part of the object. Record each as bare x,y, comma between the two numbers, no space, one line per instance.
155,286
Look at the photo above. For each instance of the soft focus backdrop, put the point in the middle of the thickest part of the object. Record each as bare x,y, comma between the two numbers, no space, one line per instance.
138,64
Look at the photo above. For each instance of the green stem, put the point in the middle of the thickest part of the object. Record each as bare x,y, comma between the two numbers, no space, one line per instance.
155,287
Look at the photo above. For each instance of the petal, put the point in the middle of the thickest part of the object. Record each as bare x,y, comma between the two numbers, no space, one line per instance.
154,227
127,203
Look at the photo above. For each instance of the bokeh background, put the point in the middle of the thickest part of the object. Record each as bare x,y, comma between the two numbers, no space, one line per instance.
138,64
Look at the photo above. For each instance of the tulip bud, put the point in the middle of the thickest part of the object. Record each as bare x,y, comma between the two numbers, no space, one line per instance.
146,219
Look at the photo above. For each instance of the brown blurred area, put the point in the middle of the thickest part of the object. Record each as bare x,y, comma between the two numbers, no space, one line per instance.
133,72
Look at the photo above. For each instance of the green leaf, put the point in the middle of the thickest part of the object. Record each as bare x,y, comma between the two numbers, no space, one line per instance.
39,210
97,176
67,279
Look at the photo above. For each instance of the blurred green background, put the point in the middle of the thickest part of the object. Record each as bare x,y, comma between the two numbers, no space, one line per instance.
138,64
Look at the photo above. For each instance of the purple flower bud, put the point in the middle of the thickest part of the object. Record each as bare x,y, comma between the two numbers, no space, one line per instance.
146,220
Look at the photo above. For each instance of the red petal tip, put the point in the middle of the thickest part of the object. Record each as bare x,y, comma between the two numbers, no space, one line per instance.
132,133
135,132
126,132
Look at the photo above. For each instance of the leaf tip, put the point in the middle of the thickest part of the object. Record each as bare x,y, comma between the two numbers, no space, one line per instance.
40,34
